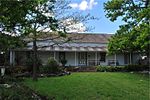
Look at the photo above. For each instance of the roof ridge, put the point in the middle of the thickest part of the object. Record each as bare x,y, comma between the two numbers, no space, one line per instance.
91,33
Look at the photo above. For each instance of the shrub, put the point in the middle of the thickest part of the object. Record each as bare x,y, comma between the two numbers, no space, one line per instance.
109,68
100,68
71,68
51,67
18,69
136,67
122,68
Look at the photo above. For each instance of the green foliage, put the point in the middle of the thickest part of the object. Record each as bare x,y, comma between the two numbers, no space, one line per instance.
110,68
18,92
134,34
7,79
51,66
10,42
137,68
52,62
126,68
18,69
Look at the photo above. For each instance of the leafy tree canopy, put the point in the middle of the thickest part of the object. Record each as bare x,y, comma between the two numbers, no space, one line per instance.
134,34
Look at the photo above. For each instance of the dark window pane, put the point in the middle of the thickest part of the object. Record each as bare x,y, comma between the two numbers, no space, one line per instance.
103,57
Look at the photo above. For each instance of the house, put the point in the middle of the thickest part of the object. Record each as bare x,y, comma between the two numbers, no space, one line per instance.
84,49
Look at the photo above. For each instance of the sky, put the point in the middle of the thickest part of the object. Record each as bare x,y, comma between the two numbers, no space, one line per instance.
96,8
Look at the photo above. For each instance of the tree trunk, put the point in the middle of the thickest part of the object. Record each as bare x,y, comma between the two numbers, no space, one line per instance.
35,60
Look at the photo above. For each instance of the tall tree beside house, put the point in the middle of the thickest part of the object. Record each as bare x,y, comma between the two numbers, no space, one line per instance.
34,18
134,35
8,42
27,17
11,17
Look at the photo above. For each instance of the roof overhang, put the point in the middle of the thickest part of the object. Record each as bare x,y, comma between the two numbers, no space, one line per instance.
61,48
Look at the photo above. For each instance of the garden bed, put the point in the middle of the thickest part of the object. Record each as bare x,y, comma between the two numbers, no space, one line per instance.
12,89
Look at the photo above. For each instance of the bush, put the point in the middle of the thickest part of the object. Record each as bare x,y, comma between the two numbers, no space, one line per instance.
137,67
122,68
16,69
71,68
19,69
51,67
109,68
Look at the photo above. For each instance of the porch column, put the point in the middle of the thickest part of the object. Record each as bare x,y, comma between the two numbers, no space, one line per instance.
115,60
12,58
54,55
130,58
95,58
75,58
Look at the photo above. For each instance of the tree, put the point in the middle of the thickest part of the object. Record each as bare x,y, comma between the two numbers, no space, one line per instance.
7,43
37,20
134,34
32,18
26,17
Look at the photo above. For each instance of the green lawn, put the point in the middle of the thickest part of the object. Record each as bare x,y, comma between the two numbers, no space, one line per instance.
94,86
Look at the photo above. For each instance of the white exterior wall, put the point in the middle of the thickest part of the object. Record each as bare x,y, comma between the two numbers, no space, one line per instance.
120,58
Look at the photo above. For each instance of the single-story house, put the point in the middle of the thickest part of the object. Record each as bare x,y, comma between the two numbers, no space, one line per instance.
84,49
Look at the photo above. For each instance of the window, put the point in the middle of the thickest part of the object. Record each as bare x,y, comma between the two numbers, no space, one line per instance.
103,57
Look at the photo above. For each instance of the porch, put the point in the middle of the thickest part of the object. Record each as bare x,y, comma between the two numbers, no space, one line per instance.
73,58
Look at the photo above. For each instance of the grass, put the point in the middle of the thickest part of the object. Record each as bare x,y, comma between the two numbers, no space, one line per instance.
94,86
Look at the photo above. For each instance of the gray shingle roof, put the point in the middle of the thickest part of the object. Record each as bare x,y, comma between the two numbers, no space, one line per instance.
90,38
